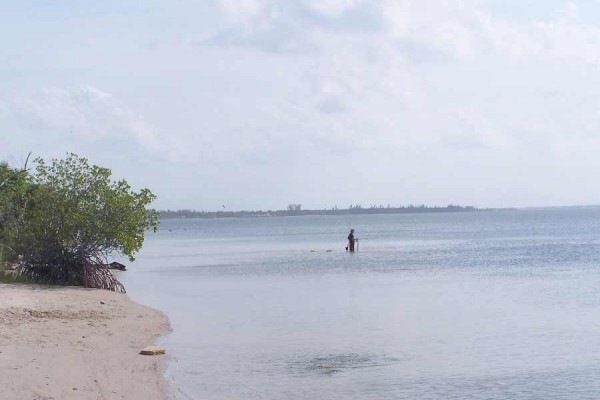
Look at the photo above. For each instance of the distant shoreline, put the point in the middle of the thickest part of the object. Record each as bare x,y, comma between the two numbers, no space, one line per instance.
189,214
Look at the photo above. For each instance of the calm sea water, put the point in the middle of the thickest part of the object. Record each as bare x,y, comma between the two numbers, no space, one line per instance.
482,305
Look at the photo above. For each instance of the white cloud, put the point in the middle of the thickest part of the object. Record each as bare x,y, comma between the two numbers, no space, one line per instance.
402,90
90,114
333,8
447,30
240,11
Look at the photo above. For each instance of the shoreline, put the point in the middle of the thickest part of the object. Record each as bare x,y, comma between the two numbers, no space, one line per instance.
74,343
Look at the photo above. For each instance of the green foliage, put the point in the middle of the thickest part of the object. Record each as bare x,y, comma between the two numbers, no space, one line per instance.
73,218
14,190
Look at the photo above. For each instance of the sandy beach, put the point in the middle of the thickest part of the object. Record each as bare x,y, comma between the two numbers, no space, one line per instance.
73,343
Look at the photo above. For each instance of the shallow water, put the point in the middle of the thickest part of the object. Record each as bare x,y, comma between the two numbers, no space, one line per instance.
482,305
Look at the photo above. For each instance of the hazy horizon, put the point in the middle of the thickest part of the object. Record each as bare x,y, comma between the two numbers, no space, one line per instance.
256,104
477,208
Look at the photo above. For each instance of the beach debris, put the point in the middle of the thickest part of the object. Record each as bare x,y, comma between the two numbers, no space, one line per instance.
329,251
152,350
101,302
117,266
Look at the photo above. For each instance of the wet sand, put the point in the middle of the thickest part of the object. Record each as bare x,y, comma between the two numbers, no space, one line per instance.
72,343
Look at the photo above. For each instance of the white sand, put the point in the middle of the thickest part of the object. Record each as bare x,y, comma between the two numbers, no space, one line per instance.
63,343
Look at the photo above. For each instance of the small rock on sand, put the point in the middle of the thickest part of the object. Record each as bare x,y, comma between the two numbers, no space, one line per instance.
152,350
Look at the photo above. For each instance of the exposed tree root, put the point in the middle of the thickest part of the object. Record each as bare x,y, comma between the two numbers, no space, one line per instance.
77,273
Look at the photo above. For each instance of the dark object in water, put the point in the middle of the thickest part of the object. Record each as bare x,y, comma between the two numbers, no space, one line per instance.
351,241
116,265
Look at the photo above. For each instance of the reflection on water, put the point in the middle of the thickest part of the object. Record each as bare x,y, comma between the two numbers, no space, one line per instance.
335,363
489,305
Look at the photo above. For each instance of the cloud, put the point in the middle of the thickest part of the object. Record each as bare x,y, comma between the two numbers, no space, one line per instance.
241,11
417,30
412,91
90,114
292,26
407,35
471,129
333,8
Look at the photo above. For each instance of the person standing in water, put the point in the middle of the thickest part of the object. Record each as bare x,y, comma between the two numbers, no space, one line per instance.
350,246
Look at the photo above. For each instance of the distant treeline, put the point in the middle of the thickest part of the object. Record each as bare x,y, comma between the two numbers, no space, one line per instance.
296,210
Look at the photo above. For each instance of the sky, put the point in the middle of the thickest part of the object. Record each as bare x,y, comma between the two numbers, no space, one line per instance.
257,104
